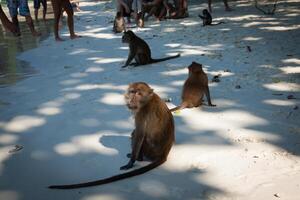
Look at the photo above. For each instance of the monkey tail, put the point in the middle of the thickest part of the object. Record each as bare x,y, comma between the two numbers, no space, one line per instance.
217,23
182,106
118,177
163,59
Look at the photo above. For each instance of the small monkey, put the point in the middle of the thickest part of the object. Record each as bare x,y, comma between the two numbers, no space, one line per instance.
152,137
194,88
207,18
140,50
140,20
119,23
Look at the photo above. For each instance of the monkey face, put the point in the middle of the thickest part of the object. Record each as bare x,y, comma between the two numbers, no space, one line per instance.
118,15
127,36
137,95
205,12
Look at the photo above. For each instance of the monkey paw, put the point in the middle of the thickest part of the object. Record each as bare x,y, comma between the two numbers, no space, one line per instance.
126,167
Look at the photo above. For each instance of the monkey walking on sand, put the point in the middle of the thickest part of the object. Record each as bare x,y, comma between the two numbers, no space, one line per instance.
152,137
207,18
194,88
140,51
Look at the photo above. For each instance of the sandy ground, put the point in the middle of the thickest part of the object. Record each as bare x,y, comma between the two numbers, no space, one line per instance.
72,123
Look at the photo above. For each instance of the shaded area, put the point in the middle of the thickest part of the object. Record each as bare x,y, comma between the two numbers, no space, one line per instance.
11,68
77,127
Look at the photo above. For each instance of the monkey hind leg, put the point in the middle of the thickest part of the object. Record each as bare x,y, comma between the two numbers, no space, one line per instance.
140,157
207,94
142,59
134,64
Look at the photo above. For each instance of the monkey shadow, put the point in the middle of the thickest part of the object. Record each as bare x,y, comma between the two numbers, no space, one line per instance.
162,182
119,142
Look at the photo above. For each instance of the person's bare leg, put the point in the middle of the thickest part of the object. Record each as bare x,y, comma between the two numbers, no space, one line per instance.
44,10
70,13
162,14
12,27
185,7
56,4
227,8
209,6
36,11
30,24
56,27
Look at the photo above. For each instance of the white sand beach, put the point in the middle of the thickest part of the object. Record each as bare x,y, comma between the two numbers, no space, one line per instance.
72,122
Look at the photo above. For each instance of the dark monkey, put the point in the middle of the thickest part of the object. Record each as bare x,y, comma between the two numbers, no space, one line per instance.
194,88
119,23
207,18
152,137
140,50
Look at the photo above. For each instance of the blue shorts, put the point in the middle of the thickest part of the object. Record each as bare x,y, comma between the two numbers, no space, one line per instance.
37,3
14,5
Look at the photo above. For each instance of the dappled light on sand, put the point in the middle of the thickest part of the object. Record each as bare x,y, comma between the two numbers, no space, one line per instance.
7,138
103,196
84,144
48,111
9,194
113,99
71,124
23,123
282,86
154,188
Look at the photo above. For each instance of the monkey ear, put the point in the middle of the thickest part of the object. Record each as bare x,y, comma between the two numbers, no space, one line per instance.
151,91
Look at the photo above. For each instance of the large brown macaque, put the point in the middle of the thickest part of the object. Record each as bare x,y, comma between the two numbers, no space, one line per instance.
152,137
140,51
194,88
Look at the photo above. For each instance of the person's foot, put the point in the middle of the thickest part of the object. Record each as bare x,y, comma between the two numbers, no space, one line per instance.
228,9
17,34
10,27
210,10
36,34
74,36
58,39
